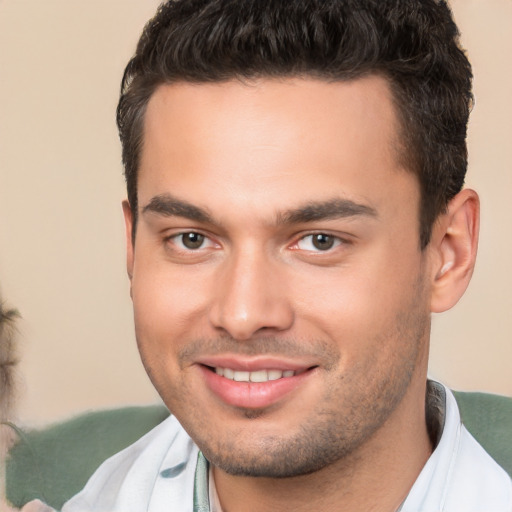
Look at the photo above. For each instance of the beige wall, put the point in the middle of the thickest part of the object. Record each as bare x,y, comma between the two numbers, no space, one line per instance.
61,233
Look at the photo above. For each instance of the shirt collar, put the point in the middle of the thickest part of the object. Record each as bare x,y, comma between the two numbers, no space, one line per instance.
456,462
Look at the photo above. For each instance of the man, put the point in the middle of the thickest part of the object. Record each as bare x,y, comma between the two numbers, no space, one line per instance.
295,213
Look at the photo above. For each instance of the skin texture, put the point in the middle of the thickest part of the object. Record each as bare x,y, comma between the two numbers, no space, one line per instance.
257,170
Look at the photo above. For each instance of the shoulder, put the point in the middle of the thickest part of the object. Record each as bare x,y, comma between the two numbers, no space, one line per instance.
161,463
460,474
54,463
475,480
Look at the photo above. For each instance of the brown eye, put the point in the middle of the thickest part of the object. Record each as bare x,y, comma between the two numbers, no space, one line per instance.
319,242
192,240
322,242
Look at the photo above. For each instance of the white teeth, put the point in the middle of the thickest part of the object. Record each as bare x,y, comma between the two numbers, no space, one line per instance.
274,374
229,374
259,376
256,376
241,376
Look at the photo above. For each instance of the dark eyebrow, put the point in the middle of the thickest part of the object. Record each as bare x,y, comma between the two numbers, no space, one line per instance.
325,210
168,206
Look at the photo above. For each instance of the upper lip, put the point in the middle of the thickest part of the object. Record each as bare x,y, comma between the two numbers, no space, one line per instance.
253,364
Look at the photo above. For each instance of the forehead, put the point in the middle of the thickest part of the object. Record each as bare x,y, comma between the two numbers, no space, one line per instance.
308,137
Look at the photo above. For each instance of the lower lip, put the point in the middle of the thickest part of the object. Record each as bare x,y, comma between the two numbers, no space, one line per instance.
252,395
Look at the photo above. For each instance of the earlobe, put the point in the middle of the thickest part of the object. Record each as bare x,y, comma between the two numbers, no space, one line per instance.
128,223
454,245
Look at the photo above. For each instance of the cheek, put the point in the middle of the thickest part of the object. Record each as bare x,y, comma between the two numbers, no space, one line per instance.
159,312
360,302
167,301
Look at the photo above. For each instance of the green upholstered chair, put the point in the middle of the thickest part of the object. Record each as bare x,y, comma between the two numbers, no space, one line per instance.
55,463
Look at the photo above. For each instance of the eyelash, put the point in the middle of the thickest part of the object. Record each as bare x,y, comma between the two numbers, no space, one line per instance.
180,236
336,241
178,241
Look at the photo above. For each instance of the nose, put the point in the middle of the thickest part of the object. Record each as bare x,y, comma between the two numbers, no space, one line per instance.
251,297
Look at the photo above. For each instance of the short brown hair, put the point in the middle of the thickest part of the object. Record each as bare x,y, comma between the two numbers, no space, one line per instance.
414,44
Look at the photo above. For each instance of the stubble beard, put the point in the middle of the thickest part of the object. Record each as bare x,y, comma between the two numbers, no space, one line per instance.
354,409
355,405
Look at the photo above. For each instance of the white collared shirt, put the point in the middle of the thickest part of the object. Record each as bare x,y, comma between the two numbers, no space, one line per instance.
165,472
459,476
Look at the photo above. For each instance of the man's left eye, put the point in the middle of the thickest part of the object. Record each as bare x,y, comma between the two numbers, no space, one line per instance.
318,242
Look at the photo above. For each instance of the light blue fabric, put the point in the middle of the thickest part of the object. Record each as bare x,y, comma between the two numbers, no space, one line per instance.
459,476
201,485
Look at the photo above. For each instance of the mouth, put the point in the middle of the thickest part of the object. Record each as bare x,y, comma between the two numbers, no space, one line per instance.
255,376
254,388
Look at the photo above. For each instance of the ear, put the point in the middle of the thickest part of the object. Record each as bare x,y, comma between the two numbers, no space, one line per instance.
454,246
128,223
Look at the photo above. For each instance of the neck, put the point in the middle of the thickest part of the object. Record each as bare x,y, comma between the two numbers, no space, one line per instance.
375,477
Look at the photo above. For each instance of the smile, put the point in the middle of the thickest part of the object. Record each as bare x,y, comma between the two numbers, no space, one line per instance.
255,376
258,387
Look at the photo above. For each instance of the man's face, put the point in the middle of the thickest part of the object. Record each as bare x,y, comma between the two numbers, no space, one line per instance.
281,304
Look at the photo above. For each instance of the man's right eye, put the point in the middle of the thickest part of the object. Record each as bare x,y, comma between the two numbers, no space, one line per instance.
190,241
